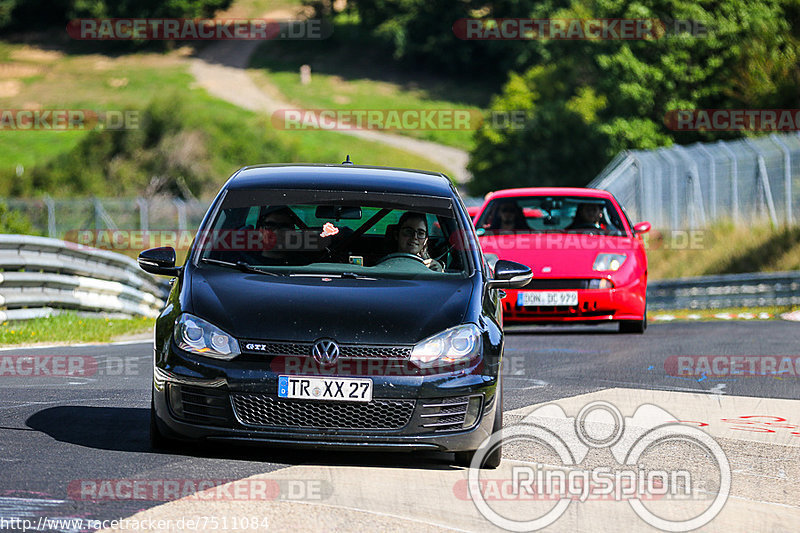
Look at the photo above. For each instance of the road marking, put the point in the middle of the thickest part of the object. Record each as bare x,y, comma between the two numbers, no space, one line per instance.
409,495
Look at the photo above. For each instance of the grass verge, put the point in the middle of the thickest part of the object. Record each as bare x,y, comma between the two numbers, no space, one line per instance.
69,327
758,314
723,249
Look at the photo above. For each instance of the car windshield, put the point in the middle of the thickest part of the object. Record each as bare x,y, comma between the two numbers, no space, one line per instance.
336,234
551,214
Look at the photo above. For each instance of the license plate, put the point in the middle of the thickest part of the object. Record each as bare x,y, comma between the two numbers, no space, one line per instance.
330,389
554,298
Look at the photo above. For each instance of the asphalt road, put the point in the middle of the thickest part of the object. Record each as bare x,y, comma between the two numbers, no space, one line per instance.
55,431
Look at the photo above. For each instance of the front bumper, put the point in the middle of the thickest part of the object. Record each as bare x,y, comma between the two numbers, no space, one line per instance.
594,305
231,401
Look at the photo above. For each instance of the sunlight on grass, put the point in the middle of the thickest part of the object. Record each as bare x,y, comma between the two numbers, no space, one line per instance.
70,327
130,81
723,249
346,73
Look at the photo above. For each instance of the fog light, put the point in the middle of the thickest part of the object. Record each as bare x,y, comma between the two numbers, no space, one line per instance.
175,400
600,284
473,411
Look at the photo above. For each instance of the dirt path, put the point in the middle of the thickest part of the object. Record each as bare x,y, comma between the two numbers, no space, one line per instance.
220,68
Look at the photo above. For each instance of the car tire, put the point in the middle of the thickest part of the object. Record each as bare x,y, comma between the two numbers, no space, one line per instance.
158,441
492,460
634,326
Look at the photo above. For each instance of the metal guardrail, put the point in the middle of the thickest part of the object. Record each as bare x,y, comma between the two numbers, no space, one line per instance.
40,276
730,290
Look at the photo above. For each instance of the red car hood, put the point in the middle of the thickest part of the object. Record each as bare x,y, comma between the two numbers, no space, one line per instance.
566,255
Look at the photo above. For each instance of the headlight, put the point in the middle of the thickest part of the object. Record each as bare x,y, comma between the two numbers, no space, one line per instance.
453,345
608,261
195,335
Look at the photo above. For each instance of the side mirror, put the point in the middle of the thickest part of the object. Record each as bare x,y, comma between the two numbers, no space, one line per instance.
510,275
159,261
642,227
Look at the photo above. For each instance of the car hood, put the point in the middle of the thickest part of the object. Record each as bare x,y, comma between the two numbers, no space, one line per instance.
382,311
558,255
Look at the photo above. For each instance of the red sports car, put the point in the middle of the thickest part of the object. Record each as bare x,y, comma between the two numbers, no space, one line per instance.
588,260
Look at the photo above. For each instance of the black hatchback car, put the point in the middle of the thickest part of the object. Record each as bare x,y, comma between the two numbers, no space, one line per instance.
332,306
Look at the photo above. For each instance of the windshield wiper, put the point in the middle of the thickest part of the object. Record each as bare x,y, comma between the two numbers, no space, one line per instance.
348,275
241,265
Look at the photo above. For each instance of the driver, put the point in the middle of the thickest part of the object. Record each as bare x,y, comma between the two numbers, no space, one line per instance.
588,216
412,238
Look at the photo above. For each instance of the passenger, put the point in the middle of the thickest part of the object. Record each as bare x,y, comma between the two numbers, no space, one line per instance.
508,216
588,216
412,238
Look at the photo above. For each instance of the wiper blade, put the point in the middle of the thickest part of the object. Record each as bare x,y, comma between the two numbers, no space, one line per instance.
241,265
348,275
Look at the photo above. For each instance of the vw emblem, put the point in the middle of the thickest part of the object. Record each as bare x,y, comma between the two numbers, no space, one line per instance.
325,351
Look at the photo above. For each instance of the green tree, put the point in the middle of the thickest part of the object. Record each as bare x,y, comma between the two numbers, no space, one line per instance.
596,98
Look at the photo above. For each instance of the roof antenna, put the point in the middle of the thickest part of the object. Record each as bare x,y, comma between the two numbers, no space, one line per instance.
347,161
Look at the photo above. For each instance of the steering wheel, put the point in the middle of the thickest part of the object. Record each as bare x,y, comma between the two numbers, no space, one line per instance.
400,255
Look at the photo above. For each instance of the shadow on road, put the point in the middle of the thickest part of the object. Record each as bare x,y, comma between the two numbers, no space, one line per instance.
565,329
121,429
126,429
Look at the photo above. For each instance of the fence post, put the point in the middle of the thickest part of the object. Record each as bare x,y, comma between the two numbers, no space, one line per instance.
734,181
763,177
697,190
180,206
787,178
144,214
51,216
673,186
712,175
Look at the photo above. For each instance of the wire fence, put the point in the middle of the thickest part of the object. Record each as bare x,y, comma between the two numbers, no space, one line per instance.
62,218
746,181
65,218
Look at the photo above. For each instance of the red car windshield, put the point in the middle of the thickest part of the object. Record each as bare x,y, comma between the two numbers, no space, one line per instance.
551,214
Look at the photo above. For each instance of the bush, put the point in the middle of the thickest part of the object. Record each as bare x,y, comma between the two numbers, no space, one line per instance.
14,222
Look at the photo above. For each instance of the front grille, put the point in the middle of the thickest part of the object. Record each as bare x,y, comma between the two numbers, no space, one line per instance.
267,411
199,404
553,283
346,351
445,414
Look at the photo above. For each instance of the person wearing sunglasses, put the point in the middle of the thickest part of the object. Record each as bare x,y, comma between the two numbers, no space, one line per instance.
412,238
507,217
